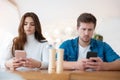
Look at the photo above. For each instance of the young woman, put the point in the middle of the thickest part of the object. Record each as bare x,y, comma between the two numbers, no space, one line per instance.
30,40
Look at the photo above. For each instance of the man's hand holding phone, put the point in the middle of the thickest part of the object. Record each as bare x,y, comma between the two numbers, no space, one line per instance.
94,62
91,54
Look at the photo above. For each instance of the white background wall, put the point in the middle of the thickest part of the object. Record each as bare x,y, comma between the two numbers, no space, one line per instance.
58,17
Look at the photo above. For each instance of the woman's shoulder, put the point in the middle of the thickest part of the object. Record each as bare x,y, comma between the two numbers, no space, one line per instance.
44,42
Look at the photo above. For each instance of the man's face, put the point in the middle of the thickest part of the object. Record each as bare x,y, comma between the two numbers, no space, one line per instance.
85,31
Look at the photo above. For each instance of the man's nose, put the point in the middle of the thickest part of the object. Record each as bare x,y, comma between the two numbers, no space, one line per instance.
86,32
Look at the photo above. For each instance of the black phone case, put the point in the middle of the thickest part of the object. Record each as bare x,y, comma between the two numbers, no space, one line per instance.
91,54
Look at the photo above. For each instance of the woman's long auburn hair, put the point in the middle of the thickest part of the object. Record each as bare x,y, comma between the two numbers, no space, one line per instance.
20,40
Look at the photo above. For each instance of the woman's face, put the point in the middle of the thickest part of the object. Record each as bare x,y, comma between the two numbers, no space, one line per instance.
29,26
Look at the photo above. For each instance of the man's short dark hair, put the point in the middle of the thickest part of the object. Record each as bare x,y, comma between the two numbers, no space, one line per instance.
86,18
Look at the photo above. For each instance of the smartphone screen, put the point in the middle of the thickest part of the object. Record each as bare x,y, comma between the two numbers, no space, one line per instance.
91,54
20,54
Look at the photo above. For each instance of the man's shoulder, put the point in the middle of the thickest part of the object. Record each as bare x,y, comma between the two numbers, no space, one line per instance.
72,40
69,42
98,42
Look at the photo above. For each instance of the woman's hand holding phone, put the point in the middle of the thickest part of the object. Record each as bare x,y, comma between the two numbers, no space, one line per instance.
13,63
20,56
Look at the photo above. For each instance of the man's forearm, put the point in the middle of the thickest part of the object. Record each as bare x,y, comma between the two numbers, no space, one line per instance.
69,65
111,65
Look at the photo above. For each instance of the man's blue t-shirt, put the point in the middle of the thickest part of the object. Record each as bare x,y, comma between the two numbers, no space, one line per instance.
104,51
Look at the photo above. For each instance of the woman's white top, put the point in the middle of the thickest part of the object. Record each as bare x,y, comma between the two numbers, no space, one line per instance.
34,49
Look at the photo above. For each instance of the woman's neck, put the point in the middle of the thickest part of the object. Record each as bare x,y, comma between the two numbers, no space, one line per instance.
30,37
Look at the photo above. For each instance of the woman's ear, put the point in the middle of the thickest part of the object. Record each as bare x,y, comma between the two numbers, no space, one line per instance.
77,28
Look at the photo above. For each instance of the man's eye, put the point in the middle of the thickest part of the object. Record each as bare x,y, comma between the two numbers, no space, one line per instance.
90,29
83,29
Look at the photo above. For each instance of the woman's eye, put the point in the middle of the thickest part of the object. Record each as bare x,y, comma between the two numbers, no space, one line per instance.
32,24
25,24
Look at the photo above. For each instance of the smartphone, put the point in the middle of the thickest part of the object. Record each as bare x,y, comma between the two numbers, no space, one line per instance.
91,54
20,54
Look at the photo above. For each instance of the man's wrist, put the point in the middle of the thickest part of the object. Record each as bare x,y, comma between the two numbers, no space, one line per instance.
75,66
104,66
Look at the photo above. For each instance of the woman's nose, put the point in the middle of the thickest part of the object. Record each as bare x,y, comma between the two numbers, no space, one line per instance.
28,25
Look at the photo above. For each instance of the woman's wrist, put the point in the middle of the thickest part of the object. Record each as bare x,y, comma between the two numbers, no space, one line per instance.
39,65
8,65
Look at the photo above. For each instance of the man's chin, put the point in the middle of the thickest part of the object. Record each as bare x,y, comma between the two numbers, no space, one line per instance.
86,41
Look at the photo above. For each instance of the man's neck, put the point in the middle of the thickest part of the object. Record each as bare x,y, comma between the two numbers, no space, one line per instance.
83,43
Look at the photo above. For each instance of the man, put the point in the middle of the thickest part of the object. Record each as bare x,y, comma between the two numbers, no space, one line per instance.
75,50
